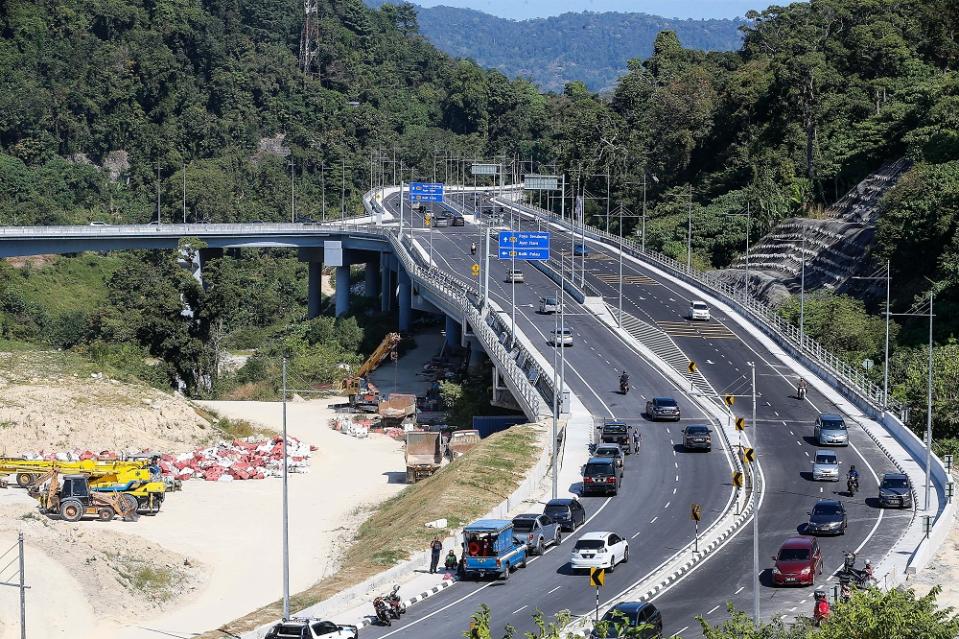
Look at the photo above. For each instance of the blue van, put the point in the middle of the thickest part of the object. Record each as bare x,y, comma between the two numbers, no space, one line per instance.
490,549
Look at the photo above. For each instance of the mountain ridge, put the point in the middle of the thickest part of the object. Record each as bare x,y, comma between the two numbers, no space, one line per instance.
552,51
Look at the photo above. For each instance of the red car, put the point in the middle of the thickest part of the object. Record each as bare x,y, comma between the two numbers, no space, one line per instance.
798,562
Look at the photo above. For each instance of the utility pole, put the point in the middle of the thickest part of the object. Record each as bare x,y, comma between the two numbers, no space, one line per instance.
748,225
689,233
644,216
802,293
20,584
158,194
756,617
343,190
286,511
292,194
885,361
621,260
556,392
183,170
929,412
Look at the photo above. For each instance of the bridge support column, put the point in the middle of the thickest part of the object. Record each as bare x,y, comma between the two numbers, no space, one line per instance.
405,302
342,290
372,279
202,257
386,286
314,287
453,333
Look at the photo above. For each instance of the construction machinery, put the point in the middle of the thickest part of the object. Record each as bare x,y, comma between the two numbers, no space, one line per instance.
398,410
461,442
138,478
424,455
363,394
73,498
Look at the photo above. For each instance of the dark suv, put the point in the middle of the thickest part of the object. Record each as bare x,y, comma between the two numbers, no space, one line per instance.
895,490
600,475
624,620
662,408
697,436
568,513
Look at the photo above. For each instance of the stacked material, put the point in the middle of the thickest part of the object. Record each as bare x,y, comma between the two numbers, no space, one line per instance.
247,458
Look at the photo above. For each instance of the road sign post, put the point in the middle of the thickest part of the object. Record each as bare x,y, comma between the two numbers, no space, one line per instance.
597,579
692,368
696,514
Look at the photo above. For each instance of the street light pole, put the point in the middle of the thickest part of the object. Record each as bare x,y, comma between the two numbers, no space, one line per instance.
748,225
286,511
644,218
183,170
292,195
689,233
756,617
802,292
885,364
621,261
556,391
929,411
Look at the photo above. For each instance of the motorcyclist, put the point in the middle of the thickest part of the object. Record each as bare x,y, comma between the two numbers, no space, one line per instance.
852,478
820,607
624,381
801,389
473,248
868,572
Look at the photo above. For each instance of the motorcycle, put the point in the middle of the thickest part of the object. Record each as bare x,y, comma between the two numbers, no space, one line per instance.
382,610
397,607
852,486
623,386
801,393
473,250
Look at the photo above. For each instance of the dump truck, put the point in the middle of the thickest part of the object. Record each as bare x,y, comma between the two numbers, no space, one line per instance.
72,499
138,478
424,455
362,393
462,441
398,409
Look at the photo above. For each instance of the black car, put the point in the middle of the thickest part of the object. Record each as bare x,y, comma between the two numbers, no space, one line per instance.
624,619
569,513
697,436
827,517
600,475
458,220
895,490
662,408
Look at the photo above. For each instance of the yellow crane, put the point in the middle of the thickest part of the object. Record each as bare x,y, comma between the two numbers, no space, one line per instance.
364,394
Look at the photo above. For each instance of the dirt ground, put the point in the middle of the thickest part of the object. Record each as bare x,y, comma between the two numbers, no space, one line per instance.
214,539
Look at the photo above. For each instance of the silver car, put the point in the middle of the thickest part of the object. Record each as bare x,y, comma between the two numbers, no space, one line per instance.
825,466
561,337
831,431
515,276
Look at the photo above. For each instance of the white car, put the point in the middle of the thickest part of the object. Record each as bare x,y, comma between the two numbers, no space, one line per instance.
312,628
561,337
698,311
599,550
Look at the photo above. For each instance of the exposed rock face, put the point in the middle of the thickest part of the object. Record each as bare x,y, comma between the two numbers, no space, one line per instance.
835,249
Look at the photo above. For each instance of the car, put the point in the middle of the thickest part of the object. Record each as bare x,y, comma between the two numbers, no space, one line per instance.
561,337
827,517
698,311
698,437
536,531
616,432
825,466
514,275
830,430
548,305
599,550
895,489
600,475
311,628
662,408
567,512
458,220
623,620
798,561
98,223
614,452
441,221
580,249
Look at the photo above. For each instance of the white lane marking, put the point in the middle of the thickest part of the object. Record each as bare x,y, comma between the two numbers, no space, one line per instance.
677,477
793,609
741,588
682,630
652,521
807,453
667,505
520,609
708,613
553,590
674,491
676,464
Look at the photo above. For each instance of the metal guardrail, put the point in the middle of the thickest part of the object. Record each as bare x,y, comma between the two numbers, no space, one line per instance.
759,311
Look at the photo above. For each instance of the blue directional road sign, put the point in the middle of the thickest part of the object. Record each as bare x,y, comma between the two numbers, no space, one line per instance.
426,191
524,245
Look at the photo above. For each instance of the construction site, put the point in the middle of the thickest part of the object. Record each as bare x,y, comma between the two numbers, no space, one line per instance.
155,512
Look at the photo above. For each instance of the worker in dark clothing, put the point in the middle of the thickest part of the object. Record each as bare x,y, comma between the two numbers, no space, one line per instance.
436,549
451,560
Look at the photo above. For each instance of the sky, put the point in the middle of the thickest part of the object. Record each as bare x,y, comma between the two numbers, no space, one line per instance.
522,9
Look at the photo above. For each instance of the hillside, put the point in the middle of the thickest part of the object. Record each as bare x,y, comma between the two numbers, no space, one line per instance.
589,47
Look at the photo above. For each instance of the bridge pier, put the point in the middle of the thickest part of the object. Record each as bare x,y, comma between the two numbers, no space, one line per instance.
342,290
313,287
371,278
405,301
203,256
386,283
453,333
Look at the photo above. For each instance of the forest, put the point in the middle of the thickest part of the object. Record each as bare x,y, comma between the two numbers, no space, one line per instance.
105,103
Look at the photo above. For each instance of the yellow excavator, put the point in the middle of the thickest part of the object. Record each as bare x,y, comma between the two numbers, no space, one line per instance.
73,498
140,479
363,394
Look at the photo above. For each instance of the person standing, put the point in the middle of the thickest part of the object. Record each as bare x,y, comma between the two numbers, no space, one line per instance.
436,548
